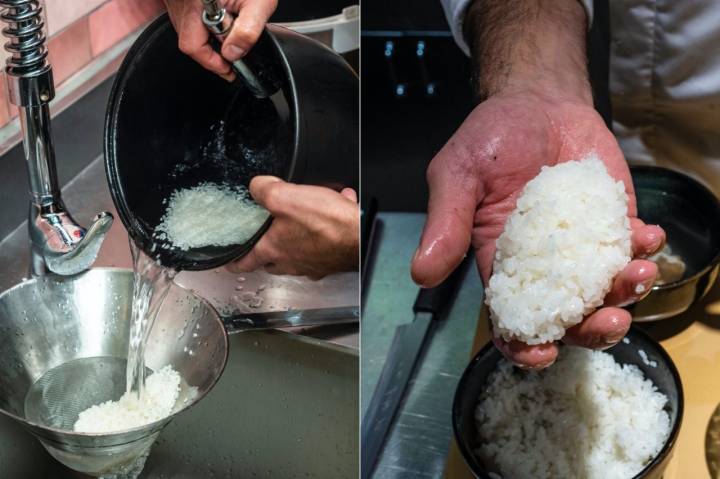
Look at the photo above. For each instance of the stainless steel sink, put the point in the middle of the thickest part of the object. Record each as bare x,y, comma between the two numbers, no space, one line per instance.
286,405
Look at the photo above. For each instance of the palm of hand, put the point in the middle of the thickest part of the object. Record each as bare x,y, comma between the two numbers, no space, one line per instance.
475,181
513,152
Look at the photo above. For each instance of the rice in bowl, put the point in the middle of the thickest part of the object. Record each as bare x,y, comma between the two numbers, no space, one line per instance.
587,416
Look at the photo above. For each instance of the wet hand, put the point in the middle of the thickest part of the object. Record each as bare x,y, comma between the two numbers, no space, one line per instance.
194,38
477,177
315,230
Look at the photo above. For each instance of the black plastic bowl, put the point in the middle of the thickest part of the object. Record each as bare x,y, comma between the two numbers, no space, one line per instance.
665,377
163,129
690,215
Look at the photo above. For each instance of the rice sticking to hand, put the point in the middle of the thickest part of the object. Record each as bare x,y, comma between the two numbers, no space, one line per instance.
555,261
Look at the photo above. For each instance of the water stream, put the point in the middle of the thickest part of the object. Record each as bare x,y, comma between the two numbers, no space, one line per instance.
151,283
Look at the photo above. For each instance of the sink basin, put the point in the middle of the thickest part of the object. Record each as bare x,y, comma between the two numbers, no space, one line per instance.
286,406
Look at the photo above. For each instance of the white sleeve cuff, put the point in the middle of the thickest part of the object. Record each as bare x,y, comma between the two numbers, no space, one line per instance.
588,4
455,14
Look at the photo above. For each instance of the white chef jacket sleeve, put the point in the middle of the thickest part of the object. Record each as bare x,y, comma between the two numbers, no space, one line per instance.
455,14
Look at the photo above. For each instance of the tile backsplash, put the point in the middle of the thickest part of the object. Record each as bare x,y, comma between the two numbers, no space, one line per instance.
81,30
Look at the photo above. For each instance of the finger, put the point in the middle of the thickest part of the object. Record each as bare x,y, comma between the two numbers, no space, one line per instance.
646,239
601,330
193,40
282,269
270,192
248,26
255,259
526,356
301,202
350,194
632,283
448,228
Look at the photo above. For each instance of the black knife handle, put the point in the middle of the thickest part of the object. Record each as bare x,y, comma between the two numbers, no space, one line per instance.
434,300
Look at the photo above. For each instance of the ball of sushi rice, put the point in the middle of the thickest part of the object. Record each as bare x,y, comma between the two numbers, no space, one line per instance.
567,238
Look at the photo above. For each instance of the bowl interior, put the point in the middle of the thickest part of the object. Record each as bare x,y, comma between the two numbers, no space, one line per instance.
664,376
79,326
687,211
217,132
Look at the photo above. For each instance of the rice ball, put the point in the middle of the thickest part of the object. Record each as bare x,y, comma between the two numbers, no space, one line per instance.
567,238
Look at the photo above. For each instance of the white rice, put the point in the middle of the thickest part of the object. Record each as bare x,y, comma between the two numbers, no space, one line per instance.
568,236
210,215
157,401
586,417
646,359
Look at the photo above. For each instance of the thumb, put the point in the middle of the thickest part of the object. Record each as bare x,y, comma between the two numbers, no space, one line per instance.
448,229
266,190
246,29
350,194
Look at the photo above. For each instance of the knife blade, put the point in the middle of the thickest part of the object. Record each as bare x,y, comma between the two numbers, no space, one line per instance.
405,349
292,318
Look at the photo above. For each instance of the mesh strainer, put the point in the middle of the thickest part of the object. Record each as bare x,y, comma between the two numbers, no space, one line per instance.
63,347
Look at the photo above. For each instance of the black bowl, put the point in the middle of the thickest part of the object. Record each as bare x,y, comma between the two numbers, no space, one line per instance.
690,215
163,129
665,377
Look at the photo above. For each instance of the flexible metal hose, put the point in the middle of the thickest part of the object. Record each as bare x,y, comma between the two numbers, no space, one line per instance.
25,31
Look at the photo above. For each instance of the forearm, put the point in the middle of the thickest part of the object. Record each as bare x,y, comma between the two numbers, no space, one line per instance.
528,46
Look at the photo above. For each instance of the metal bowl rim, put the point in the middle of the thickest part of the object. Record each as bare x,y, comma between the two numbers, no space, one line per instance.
716,205
151,427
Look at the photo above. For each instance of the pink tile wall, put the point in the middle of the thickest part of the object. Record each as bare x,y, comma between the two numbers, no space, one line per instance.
78,31
115,19
4,104
62,13
69,50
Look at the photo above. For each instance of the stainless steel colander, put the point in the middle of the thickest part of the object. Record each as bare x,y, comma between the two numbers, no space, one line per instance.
50,322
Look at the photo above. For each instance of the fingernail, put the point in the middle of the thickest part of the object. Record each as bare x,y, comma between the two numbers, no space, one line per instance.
615,336
232,52
228,77
535,367
643,288
655,241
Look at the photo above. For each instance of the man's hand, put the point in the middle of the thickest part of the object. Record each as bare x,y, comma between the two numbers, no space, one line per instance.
315,230
526,122
194,38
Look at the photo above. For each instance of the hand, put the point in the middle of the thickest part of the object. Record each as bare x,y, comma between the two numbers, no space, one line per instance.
194,38
477,177
315,230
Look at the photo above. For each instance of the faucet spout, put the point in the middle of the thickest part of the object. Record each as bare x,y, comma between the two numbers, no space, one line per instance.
58,243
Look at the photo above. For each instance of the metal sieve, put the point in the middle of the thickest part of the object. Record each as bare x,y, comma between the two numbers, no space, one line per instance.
64,347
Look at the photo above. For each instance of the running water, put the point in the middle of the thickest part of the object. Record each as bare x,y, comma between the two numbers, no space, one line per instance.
151,284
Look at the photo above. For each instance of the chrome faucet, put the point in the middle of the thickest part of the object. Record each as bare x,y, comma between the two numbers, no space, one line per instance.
57,242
